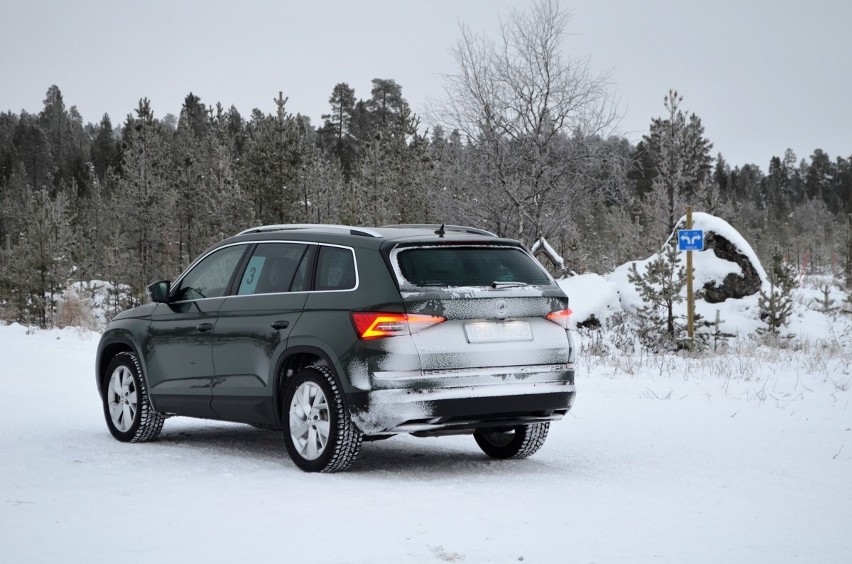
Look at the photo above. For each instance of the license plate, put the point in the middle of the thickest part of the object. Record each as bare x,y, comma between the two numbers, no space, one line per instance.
487,332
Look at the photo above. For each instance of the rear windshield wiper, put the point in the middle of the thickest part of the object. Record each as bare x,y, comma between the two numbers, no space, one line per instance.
499,284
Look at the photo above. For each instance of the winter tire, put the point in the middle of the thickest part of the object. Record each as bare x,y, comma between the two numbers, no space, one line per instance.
127,409
318,431
518,442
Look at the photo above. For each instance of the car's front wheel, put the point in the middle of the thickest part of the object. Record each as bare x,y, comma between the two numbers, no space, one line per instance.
127,409
518,442
319,433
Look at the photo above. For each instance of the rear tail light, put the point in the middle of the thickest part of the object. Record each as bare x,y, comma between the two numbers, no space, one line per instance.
560,317
372,325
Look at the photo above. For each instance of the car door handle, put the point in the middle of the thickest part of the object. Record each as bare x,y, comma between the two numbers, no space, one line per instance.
204,327
283,324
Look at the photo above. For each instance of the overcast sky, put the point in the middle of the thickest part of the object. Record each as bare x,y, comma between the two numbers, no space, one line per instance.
762,75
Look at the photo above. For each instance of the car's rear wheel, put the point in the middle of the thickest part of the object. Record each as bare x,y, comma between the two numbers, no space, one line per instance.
518,442
127,409
319,433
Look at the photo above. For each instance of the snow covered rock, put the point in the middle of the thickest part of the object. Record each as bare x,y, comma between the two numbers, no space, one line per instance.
733,285
739,275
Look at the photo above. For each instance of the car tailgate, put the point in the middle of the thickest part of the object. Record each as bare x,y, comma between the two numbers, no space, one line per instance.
489,328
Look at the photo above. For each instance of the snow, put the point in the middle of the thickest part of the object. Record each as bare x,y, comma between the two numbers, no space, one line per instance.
542,245
604,296
743,456
706,267
591,294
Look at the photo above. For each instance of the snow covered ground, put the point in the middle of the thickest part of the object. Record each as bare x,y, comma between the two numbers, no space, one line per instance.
743,457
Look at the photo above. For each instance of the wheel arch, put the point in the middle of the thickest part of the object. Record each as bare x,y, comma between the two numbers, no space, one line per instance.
291,363
109,347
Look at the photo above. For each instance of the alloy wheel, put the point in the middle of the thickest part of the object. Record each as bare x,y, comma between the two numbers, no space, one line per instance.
309,420
122,398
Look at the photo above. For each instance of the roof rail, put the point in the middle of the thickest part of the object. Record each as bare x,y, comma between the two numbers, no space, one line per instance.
363,231
456,228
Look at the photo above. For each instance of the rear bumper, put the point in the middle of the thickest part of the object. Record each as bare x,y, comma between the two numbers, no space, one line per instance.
462,400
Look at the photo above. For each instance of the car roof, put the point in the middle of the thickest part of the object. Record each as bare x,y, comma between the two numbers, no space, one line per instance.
371,237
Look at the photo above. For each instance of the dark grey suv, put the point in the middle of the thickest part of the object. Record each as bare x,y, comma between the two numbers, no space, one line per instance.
340,334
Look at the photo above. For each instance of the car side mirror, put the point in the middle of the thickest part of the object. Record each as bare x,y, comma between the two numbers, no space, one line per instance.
159,291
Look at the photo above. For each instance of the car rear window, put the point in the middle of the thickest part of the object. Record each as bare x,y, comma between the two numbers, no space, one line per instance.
469,266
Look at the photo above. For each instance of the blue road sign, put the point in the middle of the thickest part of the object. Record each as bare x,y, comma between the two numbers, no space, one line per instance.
690,240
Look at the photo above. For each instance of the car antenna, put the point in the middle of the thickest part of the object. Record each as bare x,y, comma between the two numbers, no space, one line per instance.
440,231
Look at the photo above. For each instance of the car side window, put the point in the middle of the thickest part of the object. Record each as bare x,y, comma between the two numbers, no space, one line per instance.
271,268
335,269
209,278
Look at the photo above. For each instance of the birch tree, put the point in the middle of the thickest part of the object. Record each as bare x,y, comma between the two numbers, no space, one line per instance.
528,108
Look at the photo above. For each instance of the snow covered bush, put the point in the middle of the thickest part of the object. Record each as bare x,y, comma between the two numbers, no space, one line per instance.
75,309
103,301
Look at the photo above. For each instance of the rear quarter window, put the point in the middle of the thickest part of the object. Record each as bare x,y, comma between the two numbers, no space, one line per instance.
335,269
469,266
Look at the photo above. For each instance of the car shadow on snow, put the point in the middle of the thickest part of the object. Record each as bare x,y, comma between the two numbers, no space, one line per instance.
224,439
424,457
446,456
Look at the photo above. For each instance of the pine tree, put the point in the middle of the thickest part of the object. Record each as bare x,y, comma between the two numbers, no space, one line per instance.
191,155
106,152
146,201
394,177
386,104
454,195
32,148
40,265
818,175
826,302
342,105
323,188
719,337
8,156
336,134
847,269
847,304
69,145
13,204
776,303
681,156
227,208
720,175
272,163
660,288
86,245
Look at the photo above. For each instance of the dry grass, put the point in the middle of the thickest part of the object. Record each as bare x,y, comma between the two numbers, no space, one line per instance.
75,310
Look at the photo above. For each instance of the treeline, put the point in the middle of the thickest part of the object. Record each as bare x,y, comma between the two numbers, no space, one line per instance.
137,203
521,157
